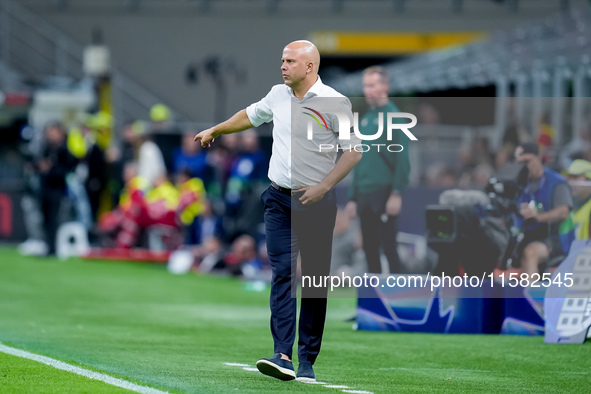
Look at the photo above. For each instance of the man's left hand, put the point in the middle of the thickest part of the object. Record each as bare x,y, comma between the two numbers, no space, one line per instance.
312,194
394,204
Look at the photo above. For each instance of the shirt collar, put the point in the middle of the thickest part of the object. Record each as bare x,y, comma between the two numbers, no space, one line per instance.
313,91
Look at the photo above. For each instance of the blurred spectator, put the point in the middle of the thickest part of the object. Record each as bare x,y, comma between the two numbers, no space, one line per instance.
191,197
35,243
477,178
190,156
205,226
164,209
472,156
93,161
53,165
130,201
545,138
481,151
504,155
210,254
577,148
117,157
466,158
428,114
157,209
466,163
137,145
231,149
481,174
579,179
165,133
149,157
161,117
440,176
221,159
247,181
78,147
243,259
192,203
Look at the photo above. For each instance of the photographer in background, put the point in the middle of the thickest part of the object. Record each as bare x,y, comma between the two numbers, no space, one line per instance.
544,205
53,165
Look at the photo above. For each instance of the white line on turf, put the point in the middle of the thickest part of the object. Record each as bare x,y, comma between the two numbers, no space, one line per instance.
357,391
330,386
79,371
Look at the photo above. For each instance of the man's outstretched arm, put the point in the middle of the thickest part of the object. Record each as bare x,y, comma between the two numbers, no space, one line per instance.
238,122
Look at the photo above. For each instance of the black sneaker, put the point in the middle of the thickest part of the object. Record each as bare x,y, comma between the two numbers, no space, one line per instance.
276,367
305,372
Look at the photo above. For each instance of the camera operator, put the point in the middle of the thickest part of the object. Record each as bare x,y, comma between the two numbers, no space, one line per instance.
544,204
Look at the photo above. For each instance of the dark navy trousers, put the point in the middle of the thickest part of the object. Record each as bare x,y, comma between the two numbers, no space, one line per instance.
291,228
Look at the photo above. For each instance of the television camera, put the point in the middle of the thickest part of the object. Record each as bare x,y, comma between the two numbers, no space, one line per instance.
472,230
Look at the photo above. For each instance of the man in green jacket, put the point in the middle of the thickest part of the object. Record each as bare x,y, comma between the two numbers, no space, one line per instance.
380,177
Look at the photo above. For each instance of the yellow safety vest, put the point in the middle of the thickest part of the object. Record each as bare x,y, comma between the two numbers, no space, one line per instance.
136,183
76,143
196,188
582,219
165,192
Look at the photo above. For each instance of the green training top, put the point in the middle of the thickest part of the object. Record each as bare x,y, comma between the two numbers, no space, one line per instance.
381,169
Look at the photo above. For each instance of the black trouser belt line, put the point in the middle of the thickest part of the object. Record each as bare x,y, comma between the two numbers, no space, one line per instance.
289,192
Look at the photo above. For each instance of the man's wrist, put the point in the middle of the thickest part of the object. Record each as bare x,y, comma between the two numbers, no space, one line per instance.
325,186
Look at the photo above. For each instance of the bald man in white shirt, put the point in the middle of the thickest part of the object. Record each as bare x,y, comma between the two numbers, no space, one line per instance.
300,204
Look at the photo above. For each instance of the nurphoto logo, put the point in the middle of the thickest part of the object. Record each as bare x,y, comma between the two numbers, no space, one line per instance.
345,129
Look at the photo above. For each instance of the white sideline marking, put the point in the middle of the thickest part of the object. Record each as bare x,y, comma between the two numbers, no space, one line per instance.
237,364
357,391
330,386
79,371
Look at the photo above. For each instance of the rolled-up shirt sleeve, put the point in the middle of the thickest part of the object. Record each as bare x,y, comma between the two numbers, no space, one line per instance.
260,112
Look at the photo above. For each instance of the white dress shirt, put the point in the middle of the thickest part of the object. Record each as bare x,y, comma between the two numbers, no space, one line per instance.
297,161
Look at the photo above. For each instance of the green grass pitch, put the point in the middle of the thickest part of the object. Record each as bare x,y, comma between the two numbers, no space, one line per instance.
139,323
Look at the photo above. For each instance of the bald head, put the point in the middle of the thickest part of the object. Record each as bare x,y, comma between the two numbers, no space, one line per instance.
307,51
299,65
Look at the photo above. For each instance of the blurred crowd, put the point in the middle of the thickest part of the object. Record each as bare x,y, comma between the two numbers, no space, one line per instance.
153,188
476,162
